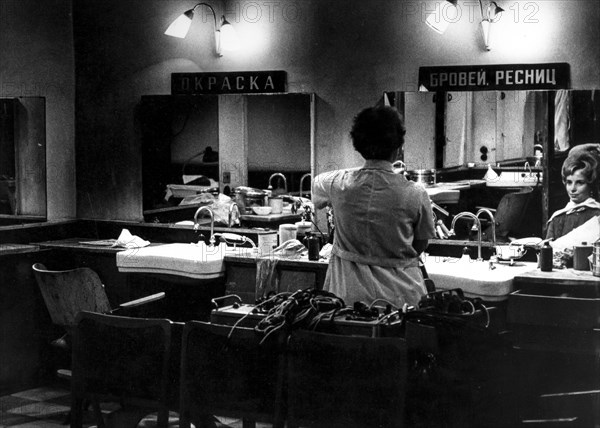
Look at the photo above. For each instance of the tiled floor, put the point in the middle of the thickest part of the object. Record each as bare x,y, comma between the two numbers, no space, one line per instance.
49,406
40,407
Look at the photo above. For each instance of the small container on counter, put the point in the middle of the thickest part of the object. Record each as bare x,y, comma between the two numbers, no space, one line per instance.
276,203
287,232
596,259
581,255
546,257
304,227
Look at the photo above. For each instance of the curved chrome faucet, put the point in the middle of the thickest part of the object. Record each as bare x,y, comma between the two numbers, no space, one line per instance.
302,183
477,222
233,208
278,174
492,219
212,223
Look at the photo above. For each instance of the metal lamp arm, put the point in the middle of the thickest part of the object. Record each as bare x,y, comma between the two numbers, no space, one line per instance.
211,9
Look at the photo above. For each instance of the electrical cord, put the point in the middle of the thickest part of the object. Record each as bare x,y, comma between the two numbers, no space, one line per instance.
387,302
299,310
263,303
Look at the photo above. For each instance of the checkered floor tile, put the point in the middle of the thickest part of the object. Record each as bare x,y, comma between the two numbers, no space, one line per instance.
47,407
40,407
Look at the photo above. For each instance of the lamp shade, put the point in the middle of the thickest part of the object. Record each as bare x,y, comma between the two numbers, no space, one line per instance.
486,27
438,22
229,38
181,26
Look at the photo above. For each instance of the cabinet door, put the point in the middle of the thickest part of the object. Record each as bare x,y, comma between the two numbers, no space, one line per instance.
241,280
419,117
470,128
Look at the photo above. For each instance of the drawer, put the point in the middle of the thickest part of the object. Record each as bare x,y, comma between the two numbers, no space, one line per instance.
555,339
574,309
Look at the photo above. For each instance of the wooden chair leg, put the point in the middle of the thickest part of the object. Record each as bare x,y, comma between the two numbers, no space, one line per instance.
98,413
162,420
246,423
76,414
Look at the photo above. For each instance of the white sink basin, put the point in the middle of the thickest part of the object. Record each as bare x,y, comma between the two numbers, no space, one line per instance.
516,179
475,277
191,260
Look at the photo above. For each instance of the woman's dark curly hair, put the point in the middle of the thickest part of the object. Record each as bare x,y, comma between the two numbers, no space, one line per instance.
377,132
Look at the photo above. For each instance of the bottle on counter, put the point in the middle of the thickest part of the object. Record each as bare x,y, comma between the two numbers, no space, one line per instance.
314,246
546,257
596,259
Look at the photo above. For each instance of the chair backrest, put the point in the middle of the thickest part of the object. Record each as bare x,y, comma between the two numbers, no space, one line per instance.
511,212
345,381
123,359
229,373
68,292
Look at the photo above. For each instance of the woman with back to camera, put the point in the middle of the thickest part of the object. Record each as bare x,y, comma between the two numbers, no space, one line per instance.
382,220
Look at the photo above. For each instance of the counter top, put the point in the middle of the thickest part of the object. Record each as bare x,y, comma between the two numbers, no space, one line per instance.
79,243
87,245
6,249
270,218
559,276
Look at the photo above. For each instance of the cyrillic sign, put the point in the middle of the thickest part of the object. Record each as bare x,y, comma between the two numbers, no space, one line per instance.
235,82
495,77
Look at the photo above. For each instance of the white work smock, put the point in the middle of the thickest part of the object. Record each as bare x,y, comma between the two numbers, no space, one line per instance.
377,215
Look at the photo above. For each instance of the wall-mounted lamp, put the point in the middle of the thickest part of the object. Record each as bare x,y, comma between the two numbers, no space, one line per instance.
491,14
436,22
226,38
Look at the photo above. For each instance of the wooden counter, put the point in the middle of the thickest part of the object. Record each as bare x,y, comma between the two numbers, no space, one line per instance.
240,276
271,221
566,277
6,249
556,311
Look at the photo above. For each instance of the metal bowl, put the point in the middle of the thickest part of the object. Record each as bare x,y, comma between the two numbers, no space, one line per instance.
425,177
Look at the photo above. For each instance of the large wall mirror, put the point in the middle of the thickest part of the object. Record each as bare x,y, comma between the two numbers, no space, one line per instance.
460,133
455,129
222,141
22,160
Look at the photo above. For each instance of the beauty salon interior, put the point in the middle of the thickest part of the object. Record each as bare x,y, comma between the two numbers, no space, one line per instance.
332,213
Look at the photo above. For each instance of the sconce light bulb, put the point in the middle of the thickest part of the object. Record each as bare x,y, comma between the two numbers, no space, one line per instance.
180,27
486,27
229,38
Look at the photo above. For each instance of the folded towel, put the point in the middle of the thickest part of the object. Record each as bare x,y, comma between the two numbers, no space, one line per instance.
266,276
292,249
127,240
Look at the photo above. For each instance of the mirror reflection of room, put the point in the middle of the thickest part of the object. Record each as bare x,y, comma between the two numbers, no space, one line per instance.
22,160
279,141
198,150
499,145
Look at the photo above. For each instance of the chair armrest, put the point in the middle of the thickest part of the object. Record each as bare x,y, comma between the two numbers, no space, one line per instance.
142,300
493,210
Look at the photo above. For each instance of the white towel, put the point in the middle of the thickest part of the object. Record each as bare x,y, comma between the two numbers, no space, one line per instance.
587,232
127,240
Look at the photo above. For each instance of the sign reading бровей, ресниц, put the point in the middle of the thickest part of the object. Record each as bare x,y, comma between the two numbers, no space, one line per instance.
495,77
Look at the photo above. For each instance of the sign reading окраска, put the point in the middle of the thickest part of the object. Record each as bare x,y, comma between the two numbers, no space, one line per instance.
495,77
231,82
